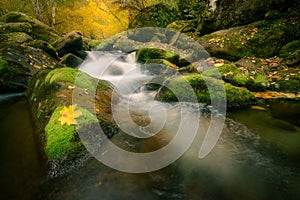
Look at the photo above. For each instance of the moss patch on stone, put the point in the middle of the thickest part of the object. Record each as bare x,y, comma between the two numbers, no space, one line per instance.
147,53
62,141
70,75
179,89
260,39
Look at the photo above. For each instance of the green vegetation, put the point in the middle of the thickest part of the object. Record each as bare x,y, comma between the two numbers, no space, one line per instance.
3,65
186,88
62,140
70,75
147,53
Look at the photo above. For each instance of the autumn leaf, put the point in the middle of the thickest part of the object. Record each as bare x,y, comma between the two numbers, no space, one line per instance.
68,115
258,108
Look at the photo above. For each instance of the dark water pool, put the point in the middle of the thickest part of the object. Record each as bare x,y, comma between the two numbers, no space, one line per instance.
20,171
257,157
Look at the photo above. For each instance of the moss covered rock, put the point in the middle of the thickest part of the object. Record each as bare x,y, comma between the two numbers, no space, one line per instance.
50,91
45,46
71,60
70,43
231,13
179,89
39,30
147,53
14,77
260,39
62,141
291,53
289,84
159,66
24,27
231,74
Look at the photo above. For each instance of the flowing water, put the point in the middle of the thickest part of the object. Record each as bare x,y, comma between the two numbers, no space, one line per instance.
256,156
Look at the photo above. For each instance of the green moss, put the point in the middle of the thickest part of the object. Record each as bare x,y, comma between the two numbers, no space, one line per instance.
259,39
3,64
70,75
63,140
237,97
178,89
147,53
229,73
291,84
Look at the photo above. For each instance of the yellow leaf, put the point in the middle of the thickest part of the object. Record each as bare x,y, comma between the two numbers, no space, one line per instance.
68,115
258,108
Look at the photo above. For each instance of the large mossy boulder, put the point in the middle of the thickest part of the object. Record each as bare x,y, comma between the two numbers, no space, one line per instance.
229,13
262,39
20,62
24,23
231,74
58,120
14,77
24,27
205,89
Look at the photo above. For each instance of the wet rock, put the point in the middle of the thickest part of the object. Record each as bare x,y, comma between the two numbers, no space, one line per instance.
14,77
51,94
70,43
231,13
259,39
239,77
45,46
291,53
22,61
12,38
39,30
179,89
71,60
24,27
147,53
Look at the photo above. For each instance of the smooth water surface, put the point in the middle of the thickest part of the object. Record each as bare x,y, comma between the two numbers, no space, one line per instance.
20,171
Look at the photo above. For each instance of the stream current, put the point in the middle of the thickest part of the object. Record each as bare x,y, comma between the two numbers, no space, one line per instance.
247,162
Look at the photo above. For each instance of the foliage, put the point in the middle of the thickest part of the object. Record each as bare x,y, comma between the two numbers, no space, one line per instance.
62,141
158,15
195,11
95,18
3,64
68,115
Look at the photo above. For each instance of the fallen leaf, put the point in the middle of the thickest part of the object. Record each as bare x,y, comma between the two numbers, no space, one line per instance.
258,108
68,115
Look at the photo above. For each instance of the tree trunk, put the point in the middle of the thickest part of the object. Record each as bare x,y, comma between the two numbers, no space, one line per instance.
37,9
53,13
